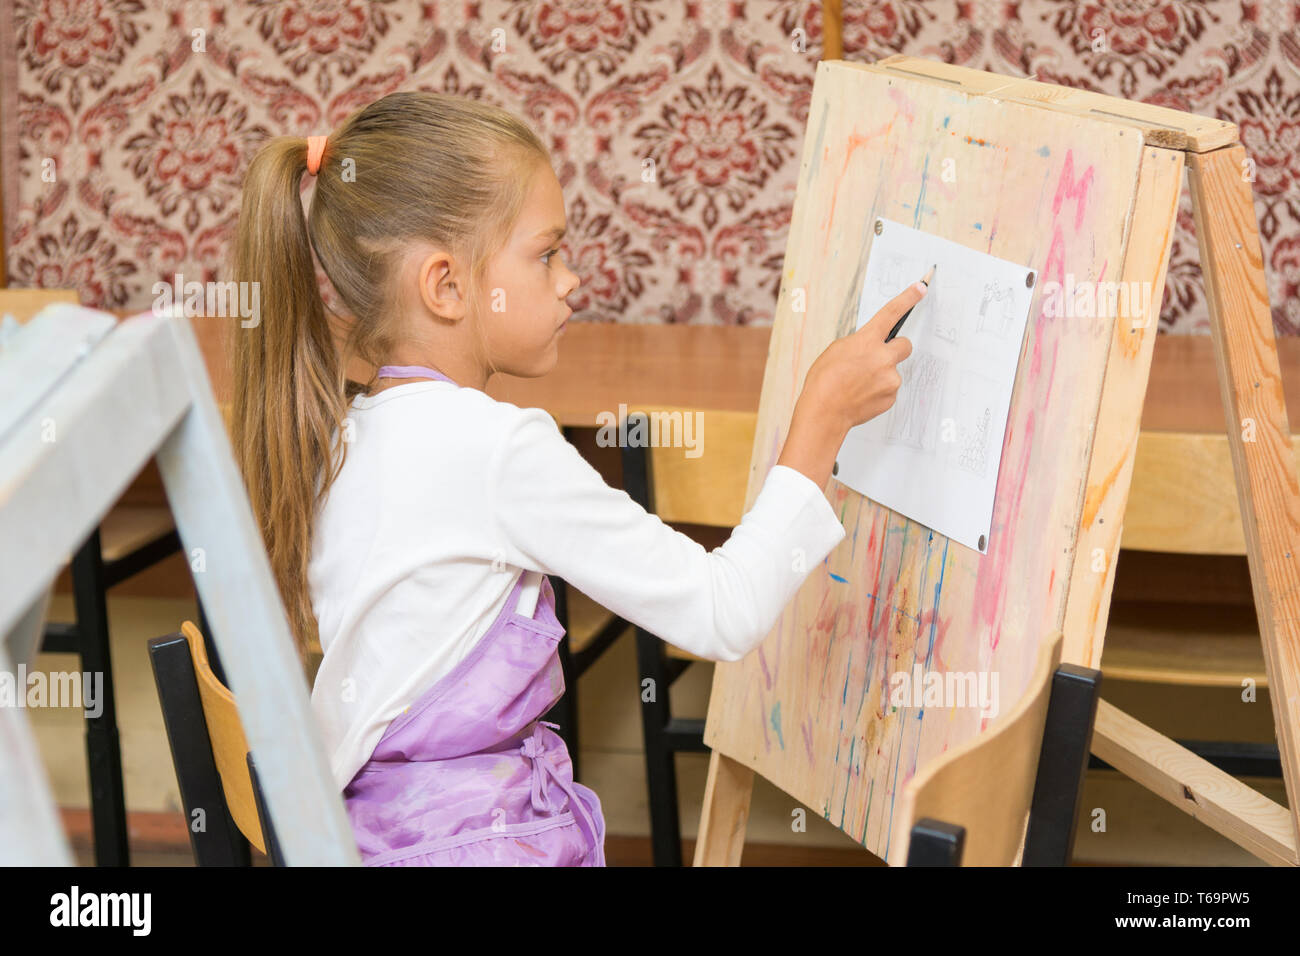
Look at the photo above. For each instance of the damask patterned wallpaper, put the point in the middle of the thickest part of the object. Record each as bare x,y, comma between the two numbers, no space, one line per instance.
145,112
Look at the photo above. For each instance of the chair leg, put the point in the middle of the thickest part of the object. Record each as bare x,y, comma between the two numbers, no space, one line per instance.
565,710
1062,763
935,843
103,748
661,773
269,839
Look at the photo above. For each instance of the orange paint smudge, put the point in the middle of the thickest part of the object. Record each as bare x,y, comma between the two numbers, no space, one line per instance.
1097,493
855,141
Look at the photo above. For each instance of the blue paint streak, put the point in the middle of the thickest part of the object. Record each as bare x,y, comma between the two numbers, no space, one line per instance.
1044,151
945,121
979,225
934,622
934,618
776,724
920,199
836,577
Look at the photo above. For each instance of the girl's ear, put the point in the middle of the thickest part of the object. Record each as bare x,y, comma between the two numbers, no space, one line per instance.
439,289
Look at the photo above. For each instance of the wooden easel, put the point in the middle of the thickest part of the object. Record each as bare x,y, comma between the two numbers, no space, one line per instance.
84,404
857,113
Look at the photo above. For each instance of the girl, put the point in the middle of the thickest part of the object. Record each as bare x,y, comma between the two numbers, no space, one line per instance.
410,522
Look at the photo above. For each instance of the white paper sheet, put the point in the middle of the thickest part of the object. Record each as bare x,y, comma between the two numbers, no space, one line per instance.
934,456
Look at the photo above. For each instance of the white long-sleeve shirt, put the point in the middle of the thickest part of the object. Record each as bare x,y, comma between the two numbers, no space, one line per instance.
446,496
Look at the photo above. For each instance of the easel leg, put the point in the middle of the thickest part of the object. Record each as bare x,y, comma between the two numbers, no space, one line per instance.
726,812
660,771
31,832
1259,438
247,618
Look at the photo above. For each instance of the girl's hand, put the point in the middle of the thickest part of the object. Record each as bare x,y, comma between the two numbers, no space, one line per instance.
856,378
851,382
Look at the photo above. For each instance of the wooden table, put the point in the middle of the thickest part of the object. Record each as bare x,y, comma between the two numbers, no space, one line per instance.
603,365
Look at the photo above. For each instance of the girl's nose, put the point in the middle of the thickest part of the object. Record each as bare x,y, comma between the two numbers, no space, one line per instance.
570,287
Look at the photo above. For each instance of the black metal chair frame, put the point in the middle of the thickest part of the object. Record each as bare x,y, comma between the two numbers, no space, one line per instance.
88,638
664,735
218,840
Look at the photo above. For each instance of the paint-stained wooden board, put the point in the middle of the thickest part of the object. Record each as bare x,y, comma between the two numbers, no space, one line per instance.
1116,426
1058,193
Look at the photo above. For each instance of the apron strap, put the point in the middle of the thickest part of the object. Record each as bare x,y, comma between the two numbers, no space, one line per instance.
411,371
534,749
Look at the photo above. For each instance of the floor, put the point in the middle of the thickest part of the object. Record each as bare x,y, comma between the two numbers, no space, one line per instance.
1122,824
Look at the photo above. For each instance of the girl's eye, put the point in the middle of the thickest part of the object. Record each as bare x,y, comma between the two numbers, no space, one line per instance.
546,257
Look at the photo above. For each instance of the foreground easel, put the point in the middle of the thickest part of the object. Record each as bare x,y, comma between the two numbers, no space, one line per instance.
84,403
904,90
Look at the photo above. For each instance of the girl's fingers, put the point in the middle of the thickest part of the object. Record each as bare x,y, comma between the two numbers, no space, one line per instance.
893,310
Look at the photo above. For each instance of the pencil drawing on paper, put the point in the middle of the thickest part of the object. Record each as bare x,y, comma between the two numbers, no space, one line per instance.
941,313
997,310
934,456
974,452
915,414
975,401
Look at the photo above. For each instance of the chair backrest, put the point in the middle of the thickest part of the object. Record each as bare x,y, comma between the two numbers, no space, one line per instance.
23,304
229,745
986,784
702,482
1183,498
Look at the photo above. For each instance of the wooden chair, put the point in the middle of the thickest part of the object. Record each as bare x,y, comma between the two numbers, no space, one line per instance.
1012,793
708,490
128,540
224,808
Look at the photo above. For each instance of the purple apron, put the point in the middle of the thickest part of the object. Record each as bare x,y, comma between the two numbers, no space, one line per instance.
468,775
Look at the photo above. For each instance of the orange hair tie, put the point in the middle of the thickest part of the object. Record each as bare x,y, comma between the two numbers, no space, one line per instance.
315,150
